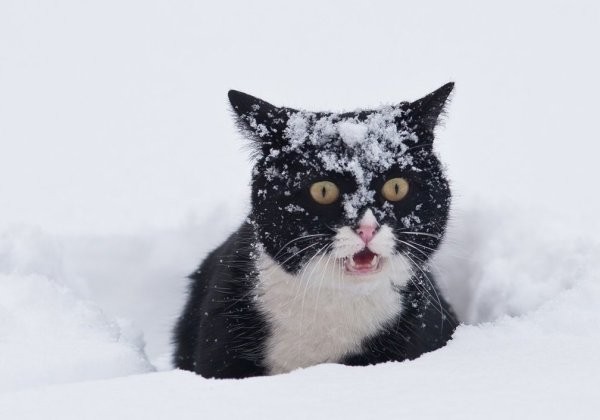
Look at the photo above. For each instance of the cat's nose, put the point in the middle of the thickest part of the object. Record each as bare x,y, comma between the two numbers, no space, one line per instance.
367,227
366,233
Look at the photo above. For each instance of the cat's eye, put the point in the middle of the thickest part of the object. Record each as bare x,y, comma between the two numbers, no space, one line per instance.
395,189
324,192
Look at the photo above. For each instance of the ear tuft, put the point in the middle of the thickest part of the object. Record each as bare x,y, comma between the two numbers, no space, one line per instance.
258,120
429,108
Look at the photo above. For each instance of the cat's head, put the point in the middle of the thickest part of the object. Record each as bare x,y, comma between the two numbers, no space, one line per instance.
362,192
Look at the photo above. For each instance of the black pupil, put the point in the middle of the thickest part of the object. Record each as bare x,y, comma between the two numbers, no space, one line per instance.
324,192
396,188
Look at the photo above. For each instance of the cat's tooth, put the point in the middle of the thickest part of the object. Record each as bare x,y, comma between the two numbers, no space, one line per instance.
375,261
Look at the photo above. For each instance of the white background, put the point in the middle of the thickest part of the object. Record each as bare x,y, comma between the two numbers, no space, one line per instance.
113,115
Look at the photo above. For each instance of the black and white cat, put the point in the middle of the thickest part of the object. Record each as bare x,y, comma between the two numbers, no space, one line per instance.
331,263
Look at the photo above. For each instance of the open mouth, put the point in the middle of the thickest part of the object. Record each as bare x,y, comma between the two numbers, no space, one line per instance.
363,262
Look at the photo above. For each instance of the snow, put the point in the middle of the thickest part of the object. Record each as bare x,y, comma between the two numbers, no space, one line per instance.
543,362
49,334
536,296
516,366
347,145
120,168
352,133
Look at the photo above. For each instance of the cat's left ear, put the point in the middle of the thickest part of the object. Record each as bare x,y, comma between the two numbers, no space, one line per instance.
428,109
262,122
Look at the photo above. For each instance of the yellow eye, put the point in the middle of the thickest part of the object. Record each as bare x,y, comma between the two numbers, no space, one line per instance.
324,192
395,189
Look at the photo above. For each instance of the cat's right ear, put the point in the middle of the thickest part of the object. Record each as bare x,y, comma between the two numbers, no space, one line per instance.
262,122
429,108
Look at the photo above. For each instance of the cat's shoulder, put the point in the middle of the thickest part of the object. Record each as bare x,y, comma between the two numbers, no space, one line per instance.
235,249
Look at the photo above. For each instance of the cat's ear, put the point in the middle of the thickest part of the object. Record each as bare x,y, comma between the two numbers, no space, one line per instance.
262,122
428,109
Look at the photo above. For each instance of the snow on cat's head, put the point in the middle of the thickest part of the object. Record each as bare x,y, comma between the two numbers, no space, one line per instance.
358,187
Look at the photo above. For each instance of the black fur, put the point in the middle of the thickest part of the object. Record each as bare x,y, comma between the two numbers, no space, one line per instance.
221,332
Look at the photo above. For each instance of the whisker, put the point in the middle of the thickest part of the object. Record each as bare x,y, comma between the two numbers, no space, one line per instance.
321,284
295,254
443,313
330,228
304,270
298,239
414,247
323,253
420,233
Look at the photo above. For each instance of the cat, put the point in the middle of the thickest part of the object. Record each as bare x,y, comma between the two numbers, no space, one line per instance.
331,265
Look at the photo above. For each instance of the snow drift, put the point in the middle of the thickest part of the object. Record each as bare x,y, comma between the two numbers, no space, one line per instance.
48,334
539,355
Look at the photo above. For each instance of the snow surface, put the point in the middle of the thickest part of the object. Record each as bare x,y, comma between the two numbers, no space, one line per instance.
544,364
120,168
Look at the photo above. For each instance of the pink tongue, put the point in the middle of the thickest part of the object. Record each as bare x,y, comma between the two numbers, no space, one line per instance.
363,257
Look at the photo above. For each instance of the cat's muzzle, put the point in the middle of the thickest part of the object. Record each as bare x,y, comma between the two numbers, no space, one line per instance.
363,262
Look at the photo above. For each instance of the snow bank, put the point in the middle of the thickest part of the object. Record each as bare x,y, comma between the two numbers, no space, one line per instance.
539,359
505,259
541,365
47,333
537,282
143,277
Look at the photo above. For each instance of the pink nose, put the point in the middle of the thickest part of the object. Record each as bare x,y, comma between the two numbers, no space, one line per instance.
366,232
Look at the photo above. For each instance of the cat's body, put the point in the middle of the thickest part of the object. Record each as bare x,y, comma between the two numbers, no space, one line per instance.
331,264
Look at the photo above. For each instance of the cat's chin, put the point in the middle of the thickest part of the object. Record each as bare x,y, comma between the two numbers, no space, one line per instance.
362,263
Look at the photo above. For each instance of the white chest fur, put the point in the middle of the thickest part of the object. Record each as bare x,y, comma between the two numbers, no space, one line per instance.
321,314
